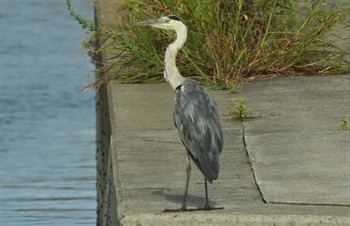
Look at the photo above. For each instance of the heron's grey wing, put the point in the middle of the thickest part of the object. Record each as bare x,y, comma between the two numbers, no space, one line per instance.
197,120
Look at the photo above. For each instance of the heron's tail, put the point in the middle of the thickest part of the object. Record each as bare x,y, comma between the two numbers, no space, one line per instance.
209,168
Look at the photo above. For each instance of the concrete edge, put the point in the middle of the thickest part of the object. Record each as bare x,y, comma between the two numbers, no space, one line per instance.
230,220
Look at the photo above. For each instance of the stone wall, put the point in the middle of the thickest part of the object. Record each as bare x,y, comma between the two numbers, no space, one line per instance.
106,195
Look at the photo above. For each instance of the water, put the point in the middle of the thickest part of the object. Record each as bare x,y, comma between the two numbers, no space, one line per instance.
47,129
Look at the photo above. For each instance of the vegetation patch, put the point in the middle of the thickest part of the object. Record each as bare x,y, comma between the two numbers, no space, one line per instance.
228,41
344,124
241,112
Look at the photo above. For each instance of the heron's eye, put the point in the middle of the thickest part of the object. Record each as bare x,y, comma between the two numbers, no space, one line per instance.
174,17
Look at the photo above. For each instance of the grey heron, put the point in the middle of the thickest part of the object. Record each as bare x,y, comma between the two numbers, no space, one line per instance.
195,115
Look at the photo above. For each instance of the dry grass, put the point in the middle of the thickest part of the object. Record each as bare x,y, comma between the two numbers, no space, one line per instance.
229,40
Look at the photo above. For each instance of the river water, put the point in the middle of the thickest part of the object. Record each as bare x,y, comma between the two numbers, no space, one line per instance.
47,128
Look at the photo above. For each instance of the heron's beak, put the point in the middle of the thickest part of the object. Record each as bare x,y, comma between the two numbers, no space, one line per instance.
152,22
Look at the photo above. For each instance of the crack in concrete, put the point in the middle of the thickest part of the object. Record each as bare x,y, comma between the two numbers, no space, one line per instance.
310,204
251,165
159,141
275,202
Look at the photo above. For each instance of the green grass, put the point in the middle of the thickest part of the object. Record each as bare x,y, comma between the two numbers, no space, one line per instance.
84,22
344,124
241,112
229,40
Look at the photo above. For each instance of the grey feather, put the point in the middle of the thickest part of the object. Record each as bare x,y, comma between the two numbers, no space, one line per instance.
197,120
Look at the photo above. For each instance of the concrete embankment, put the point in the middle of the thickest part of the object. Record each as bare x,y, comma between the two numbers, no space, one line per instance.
291,166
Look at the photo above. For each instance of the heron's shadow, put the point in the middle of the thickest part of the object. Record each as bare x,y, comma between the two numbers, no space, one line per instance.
194,203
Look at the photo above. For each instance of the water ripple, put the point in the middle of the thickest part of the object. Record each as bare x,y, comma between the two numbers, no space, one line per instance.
47,129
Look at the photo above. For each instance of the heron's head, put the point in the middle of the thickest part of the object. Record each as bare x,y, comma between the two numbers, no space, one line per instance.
171,22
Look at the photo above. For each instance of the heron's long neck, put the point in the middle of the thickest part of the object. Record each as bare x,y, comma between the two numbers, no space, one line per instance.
173,75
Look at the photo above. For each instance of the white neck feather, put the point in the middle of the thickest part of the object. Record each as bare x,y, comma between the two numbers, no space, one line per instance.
173,75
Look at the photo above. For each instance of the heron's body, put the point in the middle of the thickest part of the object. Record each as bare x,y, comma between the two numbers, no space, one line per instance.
197,121
195,115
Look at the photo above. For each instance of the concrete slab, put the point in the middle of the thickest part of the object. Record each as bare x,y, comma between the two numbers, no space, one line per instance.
154,106
150,159
140,166
303,168
147,161
297,104
135,106
297,152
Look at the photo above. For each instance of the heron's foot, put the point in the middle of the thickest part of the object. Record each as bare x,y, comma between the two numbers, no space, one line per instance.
177,210
191,209
182,209
208,208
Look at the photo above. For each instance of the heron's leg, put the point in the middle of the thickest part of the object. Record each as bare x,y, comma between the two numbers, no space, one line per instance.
188,171
206,206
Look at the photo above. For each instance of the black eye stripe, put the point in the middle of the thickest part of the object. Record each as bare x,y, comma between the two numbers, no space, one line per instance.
173,17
